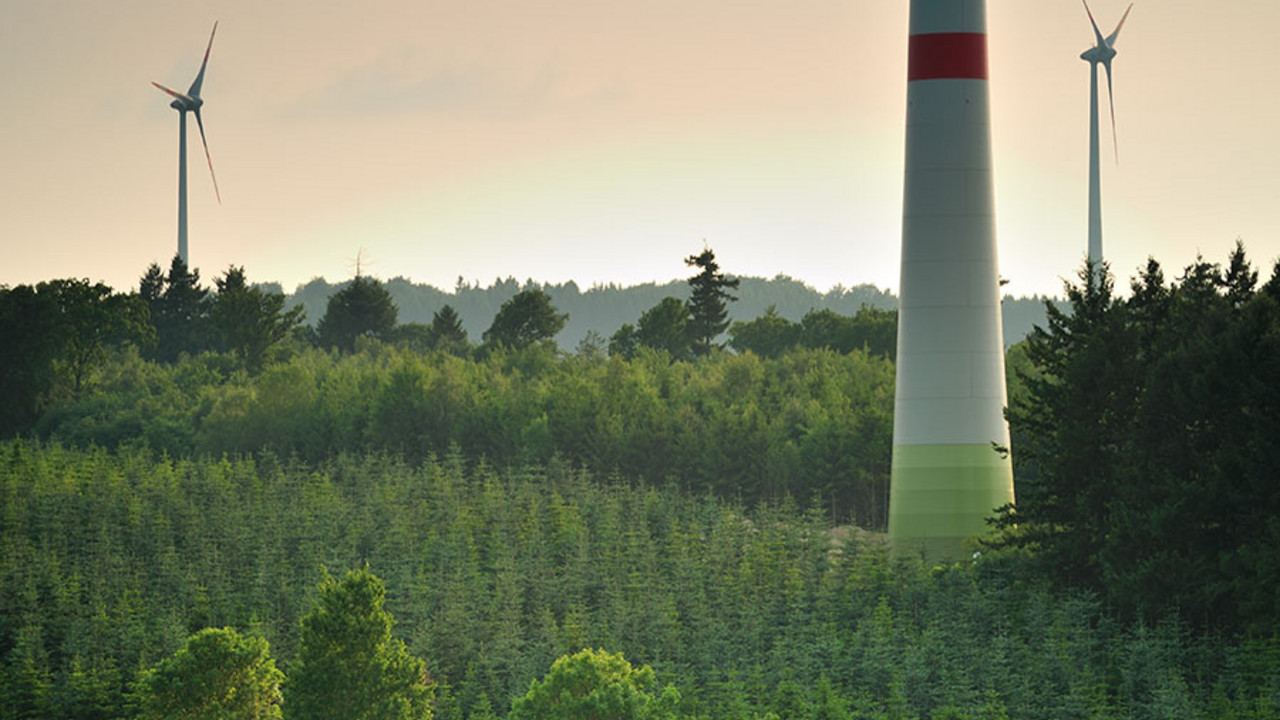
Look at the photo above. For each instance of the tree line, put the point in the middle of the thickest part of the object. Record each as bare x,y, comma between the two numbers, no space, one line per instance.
233,371
602,309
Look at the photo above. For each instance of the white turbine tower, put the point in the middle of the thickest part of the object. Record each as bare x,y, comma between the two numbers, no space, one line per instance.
947,477
1103,52
190,102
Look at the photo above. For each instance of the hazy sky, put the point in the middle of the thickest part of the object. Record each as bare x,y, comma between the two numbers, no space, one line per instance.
603,140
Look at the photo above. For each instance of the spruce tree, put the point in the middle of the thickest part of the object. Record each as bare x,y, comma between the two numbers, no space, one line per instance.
348,665
249,321
708,315
179,310
446,332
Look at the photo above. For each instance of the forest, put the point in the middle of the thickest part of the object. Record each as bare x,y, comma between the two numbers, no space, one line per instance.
678,520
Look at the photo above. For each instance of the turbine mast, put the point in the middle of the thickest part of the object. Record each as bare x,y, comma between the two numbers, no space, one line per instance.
190,101
948,408
1102,53
1095,180
182,187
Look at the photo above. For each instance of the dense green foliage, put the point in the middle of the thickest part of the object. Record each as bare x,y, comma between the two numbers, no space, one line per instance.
812,423
108,560
52,336
446,332
664,327
770,335
1145,444
595,685
349,667
218,674
204,475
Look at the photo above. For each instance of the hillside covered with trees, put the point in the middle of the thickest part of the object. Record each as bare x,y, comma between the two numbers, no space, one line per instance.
209,507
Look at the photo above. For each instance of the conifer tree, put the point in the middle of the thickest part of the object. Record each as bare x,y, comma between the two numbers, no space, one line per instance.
249,321
446,332
708,315
179,310
348,665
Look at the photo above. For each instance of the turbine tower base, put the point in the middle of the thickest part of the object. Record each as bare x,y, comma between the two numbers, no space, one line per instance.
941,495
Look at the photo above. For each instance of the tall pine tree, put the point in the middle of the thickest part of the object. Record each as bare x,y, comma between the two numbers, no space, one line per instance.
709,316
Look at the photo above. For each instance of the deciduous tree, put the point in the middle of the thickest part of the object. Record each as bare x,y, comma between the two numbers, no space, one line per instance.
595,685
362,308
525,319
666,326
218,675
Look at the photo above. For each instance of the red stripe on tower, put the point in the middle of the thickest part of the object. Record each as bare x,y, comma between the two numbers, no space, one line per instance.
941,56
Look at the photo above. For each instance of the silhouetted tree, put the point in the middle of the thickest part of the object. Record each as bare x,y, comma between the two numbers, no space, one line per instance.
665,326
767,336
525,319
179,310
248,320
708,315
362,308
624,341
446,332
91,318
53,335
27,351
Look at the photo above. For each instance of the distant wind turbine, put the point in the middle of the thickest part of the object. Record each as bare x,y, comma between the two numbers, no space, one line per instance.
190,101
1103,52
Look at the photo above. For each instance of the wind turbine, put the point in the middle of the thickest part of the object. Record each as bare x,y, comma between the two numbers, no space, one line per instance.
190,102
1103,52
946,477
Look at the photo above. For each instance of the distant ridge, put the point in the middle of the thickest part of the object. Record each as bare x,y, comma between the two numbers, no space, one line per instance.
604,308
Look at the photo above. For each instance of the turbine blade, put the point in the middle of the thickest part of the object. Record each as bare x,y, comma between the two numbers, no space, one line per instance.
207,157
174,93
199,81
1111,39
1097,33
1111,101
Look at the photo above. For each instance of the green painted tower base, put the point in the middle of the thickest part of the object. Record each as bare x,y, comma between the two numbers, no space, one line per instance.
941,494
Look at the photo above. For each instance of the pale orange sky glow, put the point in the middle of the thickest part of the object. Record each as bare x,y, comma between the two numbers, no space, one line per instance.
603,141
